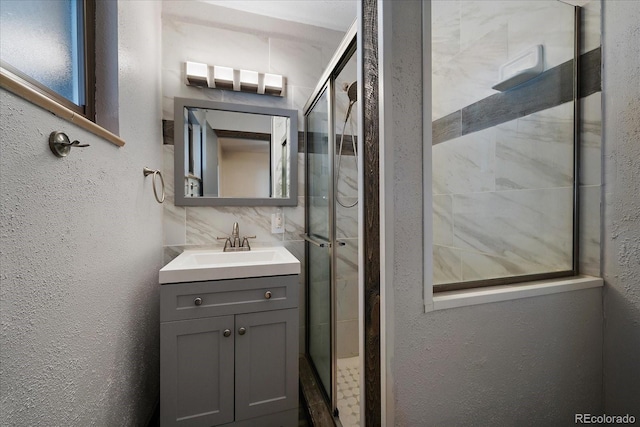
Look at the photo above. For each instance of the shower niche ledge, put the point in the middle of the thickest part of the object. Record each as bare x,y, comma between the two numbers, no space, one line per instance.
229,341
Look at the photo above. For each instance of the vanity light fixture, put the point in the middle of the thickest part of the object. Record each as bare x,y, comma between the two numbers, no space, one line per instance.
197,74
237,80
273,84
223,77
248,81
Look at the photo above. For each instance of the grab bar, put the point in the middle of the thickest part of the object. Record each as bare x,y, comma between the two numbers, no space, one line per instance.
324,244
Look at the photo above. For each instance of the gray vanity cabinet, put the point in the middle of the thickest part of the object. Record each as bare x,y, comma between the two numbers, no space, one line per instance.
197,372
229,352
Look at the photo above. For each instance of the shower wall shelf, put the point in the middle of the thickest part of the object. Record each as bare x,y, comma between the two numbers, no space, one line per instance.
524,67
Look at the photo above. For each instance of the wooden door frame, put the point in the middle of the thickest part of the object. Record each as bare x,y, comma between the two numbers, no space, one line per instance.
371,393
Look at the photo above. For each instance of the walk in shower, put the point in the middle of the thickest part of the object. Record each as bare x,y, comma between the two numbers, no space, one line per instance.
331,165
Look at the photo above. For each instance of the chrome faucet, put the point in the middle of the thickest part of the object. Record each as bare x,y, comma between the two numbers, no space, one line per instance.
235,234
233,243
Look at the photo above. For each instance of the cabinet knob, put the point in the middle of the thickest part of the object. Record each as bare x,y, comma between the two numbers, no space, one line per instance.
267,295
227,333
242,331
197,301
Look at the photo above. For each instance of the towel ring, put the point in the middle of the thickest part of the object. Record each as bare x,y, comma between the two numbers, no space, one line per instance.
147,172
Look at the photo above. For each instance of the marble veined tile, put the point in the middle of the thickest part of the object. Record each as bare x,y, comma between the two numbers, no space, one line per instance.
536,151
469,76
447,267
347,258
296,247
479,266
170,253
443,220
294,220
445,30
546,22
465,164
591,140
204,224
174,217
347,174
173,86
347,218
591,30
300,63
479,18
523,226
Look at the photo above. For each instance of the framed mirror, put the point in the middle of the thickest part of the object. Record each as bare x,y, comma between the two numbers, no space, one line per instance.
234,154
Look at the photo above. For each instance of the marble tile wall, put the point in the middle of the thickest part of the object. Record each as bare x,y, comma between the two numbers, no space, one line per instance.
194,31
472,39
503,195
346,216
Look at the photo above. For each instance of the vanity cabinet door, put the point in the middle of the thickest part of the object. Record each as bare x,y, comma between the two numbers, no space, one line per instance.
266,363
196,372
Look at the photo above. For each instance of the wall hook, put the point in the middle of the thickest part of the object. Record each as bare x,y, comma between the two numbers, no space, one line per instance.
60,144
146,171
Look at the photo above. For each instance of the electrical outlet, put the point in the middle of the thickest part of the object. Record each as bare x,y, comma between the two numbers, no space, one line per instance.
277,223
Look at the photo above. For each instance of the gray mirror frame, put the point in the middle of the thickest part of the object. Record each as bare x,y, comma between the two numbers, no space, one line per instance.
180,199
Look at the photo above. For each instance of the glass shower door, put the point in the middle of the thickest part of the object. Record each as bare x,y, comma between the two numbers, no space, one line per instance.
319,186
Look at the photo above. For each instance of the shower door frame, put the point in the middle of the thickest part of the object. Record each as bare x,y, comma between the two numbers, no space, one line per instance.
345,51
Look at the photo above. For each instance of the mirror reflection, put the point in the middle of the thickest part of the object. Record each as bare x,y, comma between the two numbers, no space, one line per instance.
236,155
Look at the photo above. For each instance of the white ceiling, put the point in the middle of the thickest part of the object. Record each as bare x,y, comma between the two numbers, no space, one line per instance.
333,14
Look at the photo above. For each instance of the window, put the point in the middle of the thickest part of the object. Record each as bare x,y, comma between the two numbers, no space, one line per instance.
504,160
48,45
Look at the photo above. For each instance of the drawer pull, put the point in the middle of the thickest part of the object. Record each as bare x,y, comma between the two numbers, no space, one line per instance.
242,331
227,333
197,301
267,295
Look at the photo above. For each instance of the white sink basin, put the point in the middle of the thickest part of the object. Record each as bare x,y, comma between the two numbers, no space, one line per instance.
209,264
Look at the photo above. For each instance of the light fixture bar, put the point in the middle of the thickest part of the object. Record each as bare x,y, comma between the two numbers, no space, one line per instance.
197,74
231,79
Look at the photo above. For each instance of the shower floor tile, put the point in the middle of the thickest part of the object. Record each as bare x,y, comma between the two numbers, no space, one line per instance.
349,391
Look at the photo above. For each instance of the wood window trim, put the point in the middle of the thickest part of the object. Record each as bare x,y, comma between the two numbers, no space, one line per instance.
12,84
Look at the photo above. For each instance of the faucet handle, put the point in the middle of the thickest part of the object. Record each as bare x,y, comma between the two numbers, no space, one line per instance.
246,241
235,230
227,242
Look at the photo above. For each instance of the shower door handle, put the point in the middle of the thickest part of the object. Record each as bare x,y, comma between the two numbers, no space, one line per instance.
322,244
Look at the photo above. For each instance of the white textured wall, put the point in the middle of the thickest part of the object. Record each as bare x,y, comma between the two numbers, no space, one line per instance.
534,361
81,246
621,236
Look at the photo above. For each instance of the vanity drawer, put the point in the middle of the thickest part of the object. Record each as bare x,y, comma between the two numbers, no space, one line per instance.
180,301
